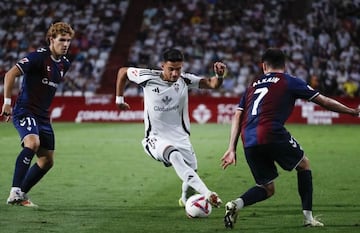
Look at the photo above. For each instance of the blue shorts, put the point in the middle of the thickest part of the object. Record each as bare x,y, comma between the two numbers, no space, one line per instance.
28,124
262,158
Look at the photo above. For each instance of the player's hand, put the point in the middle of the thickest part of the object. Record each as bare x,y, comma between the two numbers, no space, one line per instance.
124,106
220,69
357,112
6,112
228,158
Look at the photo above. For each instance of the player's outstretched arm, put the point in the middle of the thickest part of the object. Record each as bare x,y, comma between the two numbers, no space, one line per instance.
229,156
120,87
335,106
215,81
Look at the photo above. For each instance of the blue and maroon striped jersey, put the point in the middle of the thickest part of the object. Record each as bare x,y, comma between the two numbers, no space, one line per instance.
41,77
267,103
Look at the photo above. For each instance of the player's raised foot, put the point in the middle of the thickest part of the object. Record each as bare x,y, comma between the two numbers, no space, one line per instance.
214,199
182,203
230,215
313,223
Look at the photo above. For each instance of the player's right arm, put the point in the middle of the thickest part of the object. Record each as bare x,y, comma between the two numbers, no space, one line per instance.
120,87
9,80
334,105
229,156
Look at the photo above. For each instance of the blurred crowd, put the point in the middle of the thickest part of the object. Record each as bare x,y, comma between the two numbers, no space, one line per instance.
322,43
24,23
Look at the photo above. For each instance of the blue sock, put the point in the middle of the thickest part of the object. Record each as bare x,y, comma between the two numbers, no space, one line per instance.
305,188
253,195
22,165
33,176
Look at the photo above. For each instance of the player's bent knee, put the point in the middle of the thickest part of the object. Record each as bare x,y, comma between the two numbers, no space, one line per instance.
270,189
304,164
170,154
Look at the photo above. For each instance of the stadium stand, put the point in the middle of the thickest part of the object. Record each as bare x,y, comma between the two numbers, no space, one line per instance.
23,25
320,37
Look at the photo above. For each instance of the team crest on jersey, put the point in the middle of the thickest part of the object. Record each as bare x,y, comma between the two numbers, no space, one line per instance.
166,100
176,87
24,60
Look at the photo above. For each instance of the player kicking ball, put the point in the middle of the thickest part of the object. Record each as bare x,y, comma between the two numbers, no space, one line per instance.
166,117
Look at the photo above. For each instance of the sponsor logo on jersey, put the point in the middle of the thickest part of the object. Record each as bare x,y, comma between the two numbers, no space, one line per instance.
49,83
166,109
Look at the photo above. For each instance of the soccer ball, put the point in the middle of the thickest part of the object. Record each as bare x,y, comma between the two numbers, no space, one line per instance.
197,206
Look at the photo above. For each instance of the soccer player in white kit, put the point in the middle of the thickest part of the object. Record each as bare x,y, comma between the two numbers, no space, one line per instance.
166,116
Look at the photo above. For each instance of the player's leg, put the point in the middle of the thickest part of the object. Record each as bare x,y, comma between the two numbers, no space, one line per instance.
305,189
188,175
27,128
45,156
264,172
38,170
162,150
190,159
186,192
289,156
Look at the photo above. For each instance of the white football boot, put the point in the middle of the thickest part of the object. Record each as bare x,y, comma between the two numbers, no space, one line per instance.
230,214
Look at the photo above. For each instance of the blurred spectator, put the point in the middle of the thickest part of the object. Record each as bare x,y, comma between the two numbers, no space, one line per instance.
96,23
318,43
322,44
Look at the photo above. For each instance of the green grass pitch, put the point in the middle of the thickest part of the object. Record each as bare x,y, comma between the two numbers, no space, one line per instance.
103,181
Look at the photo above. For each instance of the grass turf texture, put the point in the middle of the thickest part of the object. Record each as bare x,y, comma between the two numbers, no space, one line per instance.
102,181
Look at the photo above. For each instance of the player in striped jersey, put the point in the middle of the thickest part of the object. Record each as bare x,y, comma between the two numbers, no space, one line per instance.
262,112
42,72
166,117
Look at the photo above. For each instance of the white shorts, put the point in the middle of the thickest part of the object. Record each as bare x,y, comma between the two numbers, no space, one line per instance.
160,149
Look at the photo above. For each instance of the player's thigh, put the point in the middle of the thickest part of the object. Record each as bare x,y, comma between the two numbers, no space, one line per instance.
27,125
261,164
289,155
155,147
160,149
47,136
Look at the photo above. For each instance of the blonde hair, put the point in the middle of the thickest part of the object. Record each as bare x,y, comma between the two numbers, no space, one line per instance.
59,28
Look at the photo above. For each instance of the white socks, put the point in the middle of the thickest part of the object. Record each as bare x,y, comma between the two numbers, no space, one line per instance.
239,203
15,189
184,189
308,214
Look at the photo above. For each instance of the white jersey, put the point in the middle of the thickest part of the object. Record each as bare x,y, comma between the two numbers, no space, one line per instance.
165,103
